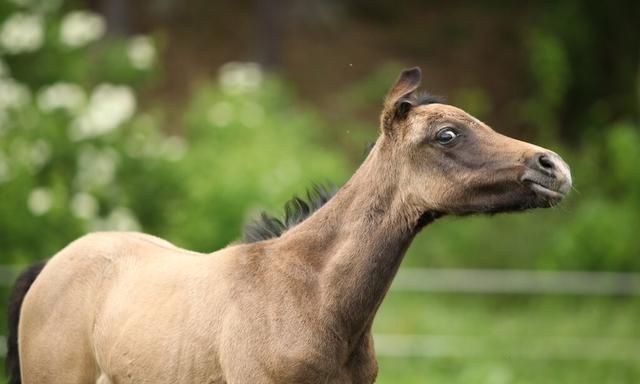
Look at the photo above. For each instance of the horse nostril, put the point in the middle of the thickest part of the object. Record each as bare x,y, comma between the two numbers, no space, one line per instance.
547,169
545,162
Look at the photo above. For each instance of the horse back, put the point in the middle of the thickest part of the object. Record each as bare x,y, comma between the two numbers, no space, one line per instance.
59,315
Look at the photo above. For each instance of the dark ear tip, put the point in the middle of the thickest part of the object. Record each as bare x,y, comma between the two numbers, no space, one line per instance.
412,74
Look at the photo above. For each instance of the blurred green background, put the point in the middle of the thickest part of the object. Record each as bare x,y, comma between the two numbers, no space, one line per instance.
185,118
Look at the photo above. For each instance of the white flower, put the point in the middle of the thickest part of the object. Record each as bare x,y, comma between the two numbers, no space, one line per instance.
141,52
96,168
40,153
79,28
13,94
84,205
120,219
68,96
173,148
109,106
240,77
21,33
40,201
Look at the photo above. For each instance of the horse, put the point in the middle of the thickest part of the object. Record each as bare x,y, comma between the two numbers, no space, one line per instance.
295,302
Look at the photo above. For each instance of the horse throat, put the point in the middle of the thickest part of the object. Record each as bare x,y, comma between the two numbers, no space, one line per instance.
356,243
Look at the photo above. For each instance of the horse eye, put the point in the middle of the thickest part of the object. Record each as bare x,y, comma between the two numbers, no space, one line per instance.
446,136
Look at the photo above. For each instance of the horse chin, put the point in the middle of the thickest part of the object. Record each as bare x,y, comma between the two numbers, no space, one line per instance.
515,201
529,196
545,196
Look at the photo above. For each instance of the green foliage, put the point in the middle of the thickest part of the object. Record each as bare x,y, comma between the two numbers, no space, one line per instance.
250,147
570,78
550,75
601,228
77,155
475,101
70,145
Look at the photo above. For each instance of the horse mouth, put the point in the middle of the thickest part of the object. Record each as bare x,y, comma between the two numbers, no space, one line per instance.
549,189
545,190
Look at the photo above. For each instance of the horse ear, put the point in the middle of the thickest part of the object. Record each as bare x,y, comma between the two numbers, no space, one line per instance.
399,101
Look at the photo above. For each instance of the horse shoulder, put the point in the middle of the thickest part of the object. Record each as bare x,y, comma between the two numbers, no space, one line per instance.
273,328
160,301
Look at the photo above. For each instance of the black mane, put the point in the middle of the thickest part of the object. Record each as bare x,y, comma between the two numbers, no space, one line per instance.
296,210
425,98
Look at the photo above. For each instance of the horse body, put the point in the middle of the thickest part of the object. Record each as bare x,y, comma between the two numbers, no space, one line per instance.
117,305
117,308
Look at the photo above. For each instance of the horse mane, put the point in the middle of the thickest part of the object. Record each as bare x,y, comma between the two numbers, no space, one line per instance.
424,98
296,210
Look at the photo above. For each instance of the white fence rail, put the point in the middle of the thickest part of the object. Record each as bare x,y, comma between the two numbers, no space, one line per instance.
488,281
529,348
517,282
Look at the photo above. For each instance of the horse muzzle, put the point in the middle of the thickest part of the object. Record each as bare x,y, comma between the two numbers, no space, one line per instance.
548,176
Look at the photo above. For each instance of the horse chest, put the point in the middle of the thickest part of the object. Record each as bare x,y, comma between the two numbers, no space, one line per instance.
359,367
292,350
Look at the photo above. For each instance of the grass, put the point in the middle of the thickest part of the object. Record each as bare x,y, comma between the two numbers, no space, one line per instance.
504,371
497,339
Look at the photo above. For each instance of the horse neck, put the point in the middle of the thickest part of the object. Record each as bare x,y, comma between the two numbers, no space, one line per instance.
356,243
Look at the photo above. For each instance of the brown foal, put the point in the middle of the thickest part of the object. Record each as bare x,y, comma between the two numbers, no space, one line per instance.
297,308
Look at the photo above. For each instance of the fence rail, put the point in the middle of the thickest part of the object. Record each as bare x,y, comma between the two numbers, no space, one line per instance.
517,282
492,281
530,348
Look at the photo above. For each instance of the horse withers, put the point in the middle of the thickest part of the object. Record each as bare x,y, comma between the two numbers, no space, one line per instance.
296,303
